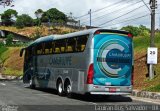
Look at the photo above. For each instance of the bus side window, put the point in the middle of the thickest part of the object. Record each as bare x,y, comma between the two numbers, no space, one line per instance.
71,45
39,49
60,46
48,47
57,50
81,43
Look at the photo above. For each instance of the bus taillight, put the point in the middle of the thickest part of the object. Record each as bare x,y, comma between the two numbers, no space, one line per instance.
130,35
90,74
97,32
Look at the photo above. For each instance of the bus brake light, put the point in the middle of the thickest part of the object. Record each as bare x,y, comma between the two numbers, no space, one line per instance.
97,32
90,74
130,35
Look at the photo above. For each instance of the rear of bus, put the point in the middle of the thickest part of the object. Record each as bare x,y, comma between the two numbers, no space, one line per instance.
111,70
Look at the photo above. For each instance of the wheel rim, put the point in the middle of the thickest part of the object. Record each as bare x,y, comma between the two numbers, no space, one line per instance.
60,88
68,88
30,82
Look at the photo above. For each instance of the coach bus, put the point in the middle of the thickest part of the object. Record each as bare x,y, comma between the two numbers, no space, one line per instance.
95,61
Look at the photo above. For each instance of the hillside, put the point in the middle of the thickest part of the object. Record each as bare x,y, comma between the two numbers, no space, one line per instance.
141,80
13,63
32,32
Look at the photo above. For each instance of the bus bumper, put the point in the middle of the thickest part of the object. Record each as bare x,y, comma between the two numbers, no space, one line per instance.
109,90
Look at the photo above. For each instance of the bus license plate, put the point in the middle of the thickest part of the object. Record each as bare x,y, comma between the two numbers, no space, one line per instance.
112,90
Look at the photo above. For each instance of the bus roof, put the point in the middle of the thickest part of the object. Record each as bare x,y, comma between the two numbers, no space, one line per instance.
79,33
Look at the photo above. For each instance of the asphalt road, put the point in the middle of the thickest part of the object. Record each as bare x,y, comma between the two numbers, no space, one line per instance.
15,96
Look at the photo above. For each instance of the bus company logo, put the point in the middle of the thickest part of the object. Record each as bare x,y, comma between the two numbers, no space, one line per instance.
113,57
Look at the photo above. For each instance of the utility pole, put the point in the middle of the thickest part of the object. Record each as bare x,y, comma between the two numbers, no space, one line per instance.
90,17
153,6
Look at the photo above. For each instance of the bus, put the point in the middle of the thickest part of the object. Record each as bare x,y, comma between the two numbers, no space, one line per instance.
95,61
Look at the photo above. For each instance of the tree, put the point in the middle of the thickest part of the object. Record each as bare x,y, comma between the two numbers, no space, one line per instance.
144,31
7,17
44,17
38,14
54,15
134,30
24,20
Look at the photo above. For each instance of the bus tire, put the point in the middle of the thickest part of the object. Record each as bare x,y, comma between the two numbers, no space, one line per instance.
60,88
31,84
68,89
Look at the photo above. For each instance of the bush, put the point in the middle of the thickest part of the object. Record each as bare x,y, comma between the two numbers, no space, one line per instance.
2,49
9,39
137,31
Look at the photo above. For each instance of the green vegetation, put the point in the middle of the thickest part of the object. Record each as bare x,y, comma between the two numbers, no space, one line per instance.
137,31
2,59
9,39
141,43
154,88
24,20
13,72
7,17
2,49
12,63
52,15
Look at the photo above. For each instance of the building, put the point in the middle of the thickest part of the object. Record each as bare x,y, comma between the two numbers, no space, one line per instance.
17,38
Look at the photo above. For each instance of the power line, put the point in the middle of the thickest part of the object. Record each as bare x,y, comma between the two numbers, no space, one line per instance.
121,15
146,5
108,6
101,9
104,10
115,11
133,19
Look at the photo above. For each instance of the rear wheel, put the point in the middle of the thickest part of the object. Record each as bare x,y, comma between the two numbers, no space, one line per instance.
31,84
68,90
60,88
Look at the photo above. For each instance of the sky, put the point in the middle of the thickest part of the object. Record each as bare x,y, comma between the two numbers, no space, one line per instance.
105,13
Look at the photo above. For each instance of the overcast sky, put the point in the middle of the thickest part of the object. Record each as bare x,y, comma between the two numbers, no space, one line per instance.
105,13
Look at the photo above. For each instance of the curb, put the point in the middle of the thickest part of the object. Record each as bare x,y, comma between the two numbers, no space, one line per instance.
146,94
10,78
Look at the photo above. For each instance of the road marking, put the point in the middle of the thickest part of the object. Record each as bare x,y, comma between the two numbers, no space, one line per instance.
3,84
154,101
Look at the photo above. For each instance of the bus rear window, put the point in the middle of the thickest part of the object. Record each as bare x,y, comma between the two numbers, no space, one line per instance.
118,32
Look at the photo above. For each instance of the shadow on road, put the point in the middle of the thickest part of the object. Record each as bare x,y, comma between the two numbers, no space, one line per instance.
102,98
92,98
